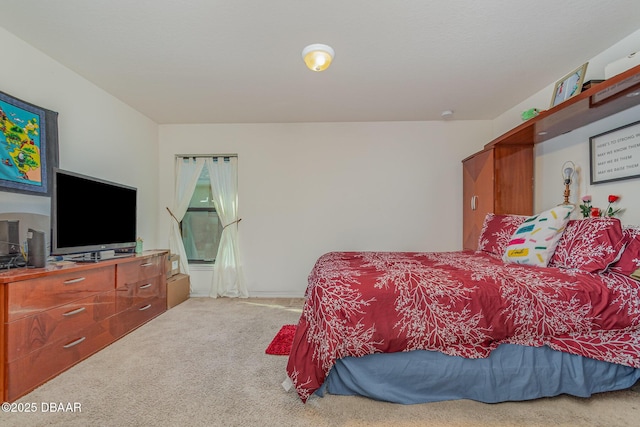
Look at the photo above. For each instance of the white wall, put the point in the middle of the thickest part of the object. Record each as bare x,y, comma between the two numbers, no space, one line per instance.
542,99
98,134
306,189
574,146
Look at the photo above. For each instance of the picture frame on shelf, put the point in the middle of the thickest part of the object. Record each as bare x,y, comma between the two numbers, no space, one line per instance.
569,86
614,154
28,146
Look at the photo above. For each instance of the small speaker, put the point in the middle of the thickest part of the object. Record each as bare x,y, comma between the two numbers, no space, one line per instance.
9,237
37,255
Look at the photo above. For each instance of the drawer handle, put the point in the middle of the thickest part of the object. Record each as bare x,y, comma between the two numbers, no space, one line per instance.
148,285
147,264
70,281
76,342
76,311
146,307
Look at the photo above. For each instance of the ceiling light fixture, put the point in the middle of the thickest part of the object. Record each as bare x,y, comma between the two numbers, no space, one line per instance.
447,114
318,57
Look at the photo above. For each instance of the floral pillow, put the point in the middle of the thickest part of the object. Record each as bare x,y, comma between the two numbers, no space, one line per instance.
496,232
629,261
590,244
536,238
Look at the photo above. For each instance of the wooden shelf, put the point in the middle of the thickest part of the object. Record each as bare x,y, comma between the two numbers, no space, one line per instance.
602,100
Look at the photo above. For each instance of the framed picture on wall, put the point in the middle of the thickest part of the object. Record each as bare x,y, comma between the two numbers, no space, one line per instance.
28,146
615,154
570,85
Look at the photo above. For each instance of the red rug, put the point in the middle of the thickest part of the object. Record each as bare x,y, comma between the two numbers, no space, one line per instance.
281,343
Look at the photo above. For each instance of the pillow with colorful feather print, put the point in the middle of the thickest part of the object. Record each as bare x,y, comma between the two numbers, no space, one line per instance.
535,240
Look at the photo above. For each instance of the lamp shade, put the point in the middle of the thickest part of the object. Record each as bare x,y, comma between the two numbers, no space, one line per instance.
318,57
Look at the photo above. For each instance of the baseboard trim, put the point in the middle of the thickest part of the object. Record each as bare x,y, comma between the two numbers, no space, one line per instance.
261,294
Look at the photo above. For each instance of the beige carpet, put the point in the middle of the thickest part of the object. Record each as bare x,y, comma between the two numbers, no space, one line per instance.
202,363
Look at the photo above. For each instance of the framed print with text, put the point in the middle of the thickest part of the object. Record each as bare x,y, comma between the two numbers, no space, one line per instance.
615,154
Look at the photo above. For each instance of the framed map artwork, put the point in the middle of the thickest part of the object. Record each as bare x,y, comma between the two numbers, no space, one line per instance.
28,146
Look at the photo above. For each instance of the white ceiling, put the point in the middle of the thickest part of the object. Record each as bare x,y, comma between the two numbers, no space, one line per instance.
239,61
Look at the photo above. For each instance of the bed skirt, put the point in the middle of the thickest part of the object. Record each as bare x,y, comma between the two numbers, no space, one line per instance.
511,373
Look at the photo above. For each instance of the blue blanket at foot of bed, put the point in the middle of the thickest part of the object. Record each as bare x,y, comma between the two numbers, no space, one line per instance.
510,373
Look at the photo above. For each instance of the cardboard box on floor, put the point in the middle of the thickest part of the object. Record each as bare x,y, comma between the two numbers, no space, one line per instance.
178,289
173,265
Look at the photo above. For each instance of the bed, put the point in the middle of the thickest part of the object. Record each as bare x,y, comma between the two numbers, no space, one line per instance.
413,327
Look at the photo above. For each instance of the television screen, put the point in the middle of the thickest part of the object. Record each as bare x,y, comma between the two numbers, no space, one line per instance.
90,214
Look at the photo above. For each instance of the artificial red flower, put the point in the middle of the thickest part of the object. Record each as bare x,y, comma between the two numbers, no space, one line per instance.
591,211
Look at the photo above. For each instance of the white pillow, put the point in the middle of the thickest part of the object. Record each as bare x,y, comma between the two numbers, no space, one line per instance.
535,240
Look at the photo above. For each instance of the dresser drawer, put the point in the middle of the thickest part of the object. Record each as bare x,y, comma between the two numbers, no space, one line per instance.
26,373
28,297
124,322
136,293
139,270
31,333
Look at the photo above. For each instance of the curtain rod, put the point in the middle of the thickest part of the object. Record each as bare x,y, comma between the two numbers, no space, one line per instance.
180,156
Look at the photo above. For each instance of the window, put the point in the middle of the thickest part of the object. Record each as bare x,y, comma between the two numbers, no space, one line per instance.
201,229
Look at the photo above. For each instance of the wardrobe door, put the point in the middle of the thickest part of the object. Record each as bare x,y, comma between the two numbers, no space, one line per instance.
478,195
513,183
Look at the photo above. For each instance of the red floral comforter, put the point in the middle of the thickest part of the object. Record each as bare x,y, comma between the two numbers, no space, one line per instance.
459,303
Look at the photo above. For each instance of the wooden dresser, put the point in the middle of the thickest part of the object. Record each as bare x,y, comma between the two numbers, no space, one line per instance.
499,178
56,316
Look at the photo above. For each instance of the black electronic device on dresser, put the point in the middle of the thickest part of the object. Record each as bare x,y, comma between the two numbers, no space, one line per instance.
91,216
9,237
37,255
10,254
11,261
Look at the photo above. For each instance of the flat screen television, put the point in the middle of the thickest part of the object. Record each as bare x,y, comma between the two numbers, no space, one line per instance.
91,215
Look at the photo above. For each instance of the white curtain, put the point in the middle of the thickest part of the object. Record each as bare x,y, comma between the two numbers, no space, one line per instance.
228,279
187,173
